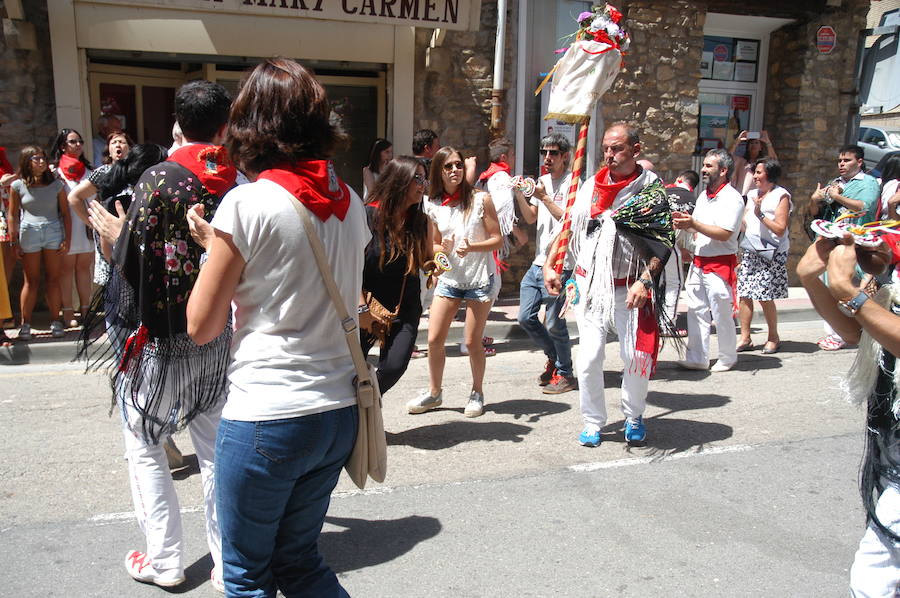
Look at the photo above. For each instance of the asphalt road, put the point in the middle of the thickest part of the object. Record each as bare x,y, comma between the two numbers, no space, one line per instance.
747,487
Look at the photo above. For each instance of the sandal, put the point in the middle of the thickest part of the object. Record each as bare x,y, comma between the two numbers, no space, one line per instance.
831,343
748,346
487,341
771,347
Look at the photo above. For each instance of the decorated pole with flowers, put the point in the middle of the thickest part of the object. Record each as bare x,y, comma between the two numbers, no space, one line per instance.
583,74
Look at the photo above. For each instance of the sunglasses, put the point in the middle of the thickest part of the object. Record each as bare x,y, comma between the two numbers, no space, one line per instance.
75,141
451,166
38,158
549,152
419,179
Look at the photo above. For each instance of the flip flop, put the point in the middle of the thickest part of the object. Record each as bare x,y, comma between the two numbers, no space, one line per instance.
748,346
769,350
831,343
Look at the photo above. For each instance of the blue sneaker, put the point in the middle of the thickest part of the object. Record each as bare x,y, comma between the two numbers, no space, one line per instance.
589,437
635,432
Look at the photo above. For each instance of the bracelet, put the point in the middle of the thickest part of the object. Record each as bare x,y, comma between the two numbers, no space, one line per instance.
362,309
646,282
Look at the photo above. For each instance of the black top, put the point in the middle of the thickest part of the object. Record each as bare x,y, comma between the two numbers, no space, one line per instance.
385,283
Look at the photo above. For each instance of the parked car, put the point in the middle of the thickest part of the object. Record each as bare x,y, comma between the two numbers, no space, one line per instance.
876,142
879,168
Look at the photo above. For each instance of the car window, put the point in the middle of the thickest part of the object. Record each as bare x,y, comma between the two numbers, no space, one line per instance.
873,136
862,133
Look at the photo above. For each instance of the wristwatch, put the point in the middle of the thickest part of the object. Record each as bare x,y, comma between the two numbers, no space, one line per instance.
851,307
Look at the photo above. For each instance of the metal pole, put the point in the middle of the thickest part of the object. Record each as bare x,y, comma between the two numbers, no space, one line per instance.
499,52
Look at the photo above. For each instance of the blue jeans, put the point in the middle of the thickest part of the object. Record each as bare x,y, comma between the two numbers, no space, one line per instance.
554,339
274,481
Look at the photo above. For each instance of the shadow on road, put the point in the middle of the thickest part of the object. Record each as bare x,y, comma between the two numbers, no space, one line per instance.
534,409
441,436
364,543
684,402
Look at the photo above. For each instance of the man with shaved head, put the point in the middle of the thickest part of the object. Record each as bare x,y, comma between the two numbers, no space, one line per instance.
616,280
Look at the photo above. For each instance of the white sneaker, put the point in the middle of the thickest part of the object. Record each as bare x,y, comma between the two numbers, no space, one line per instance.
140,568
720,367
691,365
475,406
424,402
57,329
215,578
25,332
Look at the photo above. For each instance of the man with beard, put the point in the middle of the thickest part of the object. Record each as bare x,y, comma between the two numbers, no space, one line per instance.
546,207
617,280
711,282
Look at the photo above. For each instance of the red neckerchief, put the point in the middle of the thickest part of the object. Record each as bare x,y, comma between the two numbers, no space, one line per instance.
209,163
375,204
493,169
647,339
893,241
315,184
716,192
605,193
725,267
72,168
448,199
5,166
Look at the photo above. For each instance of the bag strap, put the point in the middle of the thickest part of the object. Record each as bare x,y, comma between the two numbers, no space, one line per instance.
366,392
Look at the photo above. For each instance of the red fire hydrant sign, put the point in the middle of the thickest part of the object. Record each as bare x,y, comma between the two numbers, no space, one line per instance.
826,39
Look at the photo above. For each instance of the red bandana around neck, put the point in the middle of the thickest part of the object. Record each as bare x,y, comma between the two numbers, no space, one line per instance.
493,169
209,163
72,168
315,184
605,193
448,199
712,195
5,166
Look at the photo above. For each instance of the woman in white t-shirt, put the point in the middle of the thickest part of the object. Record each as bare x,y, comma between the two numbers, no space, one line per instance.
890,190
465,228
762,274
289,422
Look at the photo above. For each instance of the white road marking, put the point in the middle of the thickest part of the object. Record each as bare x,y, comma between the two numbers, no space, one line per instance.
108,518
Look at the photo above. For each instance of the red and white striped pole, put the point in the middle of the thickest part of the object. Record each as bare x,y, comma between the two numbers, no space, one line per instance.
577,167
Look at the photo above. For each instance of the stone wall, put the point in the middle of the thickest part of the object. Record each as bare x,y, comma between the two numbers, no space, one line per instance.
809,96
657,89
27,105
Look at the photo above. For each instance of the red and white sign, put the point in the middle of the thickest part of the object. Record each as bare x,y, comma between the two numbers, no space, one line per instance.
740,103
720,53
826,39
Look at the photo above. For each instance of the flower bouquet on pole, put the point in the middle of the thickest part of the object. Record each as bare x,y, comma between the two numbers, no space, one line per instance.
583,74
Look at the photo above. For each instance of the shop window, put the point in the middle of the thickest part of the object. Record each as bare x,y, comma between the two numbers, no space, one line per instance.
722,117
729,59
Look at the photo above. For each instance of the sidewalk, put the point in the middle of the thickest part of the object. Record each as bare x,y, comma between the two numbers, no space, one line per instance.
502,326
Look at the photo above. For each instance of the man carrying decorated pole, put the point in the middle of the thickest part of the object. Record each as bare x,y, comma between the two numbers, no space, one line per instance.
621,237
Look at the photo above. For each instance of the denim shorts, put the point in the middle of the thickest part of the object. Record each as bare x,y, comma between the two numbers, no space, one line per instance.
479,294
46,235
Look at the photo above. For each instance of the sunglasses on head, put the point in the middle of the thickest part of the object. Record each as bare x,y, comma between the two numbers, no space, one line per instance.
550,152
451,166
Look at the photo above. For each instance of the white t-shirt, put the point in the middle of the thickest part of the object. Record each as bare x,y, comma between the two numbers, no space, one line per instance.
887,191
724,211
754,228
289,354
548,226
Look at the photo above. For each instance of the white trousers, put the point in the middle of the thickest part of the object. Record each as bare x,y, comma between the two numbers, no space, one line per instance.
589,365
156,504
876,568
709,300
672,275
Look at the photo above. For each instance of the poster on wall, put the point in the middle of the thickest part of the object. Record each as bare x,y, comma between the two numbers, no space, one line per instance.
745,71
746,50
723,71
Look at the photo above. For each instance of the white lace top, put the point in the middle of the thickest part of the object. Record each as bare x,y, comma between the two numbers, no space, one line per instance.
474,270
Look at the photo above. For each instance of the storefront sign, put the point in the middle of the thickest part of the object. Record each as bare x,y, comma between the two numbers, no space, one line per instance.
446,14
826,39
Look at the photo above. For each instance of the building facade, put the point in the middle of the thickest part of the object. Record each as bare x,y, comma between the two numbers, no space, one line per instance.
697,73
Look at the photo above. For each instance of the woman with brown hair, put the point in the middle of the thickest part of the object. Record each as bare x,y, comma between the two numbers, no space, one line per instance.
400,247
290,420
39,223
466,230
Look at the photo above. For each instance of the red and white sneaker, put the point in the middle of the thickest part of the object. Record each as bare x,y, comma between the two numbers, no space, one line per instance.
140,568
